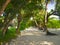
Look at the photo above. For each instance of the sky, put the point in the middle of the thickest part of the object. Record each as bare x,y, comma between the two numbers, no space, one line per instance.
50,6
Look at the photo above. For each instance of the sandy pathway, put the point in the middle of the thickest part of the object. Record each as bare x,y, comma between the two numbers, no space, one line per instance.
36,37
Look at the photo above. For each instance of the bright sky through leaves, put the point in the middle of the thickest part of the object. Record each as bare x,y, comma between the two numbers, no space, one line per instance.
51,5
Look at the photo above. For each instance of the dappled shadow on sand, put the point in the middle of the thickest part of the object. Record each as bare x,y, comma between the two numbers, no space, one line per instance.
34,38
37,40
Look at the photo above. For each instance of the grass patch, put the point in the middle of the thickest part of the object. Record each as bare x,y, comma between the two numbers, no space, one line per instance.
53,24
11,34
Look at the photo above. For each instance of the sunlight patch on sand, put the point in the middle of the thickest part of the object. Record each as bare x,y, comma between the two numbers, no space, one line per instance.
46,43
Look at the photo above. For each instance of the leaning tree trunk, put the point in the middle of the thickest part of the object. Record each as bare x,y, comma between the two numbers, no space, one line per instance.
19,18
36,23
4,6
5,21
5,27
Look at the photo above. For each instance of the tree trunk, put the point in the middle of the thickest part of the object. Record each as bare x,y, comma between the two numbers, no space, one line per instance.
4,6
45,23
5,21
5,27
36,23
19,18
45,19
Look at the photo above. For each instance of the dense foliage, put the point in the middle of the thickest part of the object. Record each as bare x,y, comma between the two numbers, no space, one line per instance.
22,11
